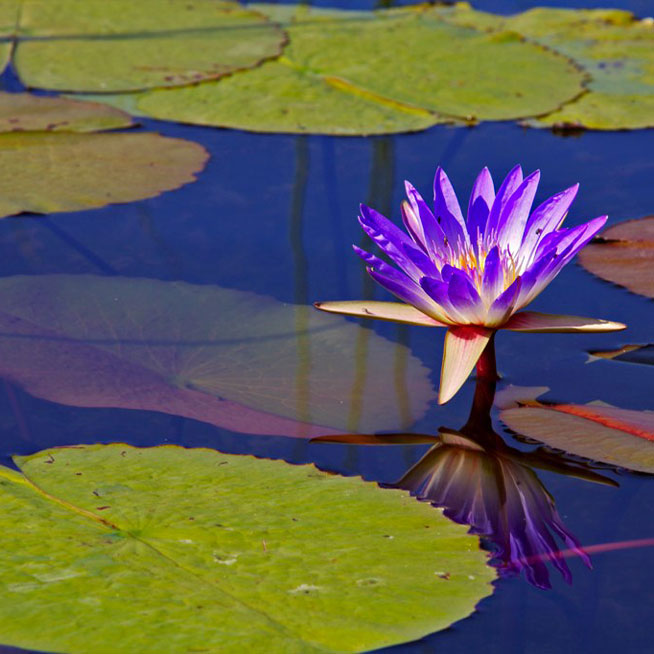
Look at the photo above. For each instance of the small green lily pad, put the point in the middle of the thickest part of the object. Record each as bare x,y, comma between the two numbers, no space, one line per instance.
52,162
375,72
171,550
24,112
624,256
121,45
229,358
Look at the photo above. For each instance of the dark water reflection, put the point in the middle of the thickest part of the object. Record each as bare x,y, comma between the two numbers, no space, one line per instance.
275,215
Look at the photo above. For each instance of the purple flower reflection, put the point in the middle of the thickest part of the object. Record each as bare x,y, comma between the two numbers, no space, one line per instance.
493,491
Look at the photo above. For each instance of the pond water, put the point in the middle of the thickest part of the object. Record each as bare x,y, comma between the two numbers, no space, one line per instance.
276,215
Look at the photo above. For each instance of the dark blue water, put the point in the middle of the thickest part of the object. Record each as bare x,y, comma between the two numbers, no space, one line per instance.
276,215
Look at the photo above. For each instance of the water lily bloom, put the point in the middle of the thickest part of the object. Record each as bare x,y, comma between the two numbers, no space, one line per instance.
473,275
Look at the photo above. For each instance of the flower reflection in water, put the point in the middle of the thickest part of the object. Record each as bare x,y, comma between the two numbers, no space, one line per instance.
480,481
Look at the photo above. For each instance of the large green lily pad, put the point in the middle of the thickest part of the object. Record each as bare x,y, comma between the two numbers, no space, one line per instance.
596,431
51,163
230,358
376,72
122,45
167,550
624,256
612,46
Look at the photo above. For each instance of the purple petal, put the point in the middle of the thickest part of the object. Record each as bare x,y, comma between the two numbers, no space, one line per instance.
421,261
493,279
532,278
545,219
563,238
500,311
371,260
448,212
506,190
514,215
389,238
551,263
464,298
408,291
481,201
430,233
438,292
412,224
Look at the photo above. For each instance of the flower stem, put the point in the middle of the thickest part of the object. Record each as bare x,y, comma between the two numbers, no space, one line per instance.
480,413
486,365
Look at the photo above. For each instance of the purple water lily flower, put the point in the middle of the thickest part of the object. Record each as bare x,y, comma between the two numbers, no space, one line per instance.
473,275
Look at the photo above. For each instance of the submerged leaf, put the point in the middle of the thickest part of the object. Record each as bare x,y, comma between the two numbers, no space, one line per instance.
100,46
376,72
624,256
229,358
138,550
619,437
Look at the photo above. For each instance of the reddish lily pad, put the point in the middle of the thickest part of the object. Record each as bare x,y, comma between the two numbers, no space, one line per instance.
596,431
624,256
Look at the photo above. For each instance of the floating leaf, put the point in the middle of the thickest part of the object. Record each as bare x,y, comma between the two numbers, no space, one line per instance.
612,46
624,256
619,437
173,550
643,354
23,112
46,173
50,166
229,358
99,46
376,72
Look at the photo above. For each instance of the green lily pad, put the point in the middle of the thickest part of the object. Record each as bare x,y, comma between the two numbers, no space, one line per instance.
47,173
375,72
624,256
100,46
9,11
229,358
612,46
165,549
596,431
23,112
51,164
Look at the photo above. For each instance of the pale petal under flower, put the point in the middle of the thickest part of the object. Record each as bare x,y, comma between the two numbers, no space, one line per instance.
463,347
393,311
